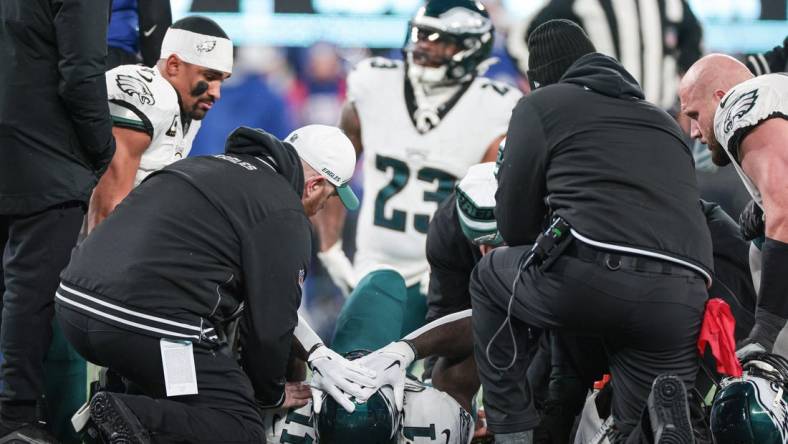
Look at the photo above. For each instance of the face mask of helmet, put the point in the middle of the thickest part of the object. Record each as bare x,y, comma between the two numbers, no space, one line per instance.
447,42
753,409
376,421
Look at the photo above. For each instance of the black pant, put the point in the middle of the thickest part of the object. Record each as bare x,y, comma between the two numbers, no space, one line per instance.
35,249
649,324
223,411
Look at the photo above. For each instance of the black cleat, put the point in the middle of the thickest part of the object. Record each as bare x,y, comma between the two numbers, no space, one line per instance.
669,411
116,423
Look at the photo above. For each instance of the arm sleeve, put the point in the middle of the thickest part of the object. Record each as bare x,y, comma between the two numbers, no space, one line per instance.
81,30
155,18
275,255
519,201
690,36
451,262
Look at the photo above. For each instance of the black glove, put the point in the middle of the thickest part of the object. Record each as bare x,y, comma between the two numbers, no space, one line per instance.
751,223
765,331
772,310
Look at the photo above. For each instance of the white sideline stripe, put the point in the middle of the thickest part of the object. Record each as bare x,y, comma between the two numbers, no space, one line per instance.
127,311
121,320
640,252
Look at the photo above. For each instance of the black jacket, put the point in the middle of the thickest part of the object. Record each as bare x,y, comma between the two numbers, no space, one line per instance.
199,238
616,167
55,128
452,258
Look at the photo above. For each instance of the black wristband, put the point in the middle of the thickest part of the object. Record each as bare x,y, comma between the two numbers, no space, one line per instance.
751,223
773,294
412,347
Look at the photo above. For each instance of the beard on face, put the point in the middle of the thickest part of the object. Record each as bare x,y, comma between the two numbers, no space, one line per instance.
196,113
430,59
718,155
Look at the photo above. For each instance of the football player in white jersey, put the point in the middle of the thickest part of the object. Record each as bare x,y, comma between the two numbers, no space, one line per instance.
156,112
744,121
402,410
420,123
428,416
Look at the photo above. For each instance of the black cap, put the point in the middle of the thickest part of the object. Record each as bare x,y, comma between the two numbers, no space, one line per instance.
552,48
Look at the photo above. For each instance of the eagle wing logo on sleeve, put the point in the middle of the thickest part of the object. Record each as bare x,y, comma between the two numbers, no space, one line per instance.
135,87
206,46
741,106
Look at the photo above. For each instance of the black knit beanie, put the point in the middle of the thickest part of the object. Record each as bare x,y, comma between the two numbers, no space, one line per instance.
552,48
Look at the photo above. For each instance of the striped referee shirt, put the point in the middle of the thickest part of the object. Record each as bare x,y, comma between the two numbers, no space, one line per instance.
655,40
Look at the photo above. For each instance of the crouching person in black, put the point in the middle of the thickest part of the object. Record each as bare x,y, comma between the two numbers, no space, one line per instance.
197,244
586,148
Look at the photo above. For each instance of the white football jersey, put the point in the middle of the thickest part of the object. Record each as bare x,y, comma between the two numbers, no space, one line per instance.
407,173
141,99
744,107
290,426
430,416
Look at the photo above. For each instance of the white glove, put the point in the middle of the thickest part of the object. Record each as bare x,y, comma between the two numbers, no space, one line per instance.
391,364
339,268
340,378
749,349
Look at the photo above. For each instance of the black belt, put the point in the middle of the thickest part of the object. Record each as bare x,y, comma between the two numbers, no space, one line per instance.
614,260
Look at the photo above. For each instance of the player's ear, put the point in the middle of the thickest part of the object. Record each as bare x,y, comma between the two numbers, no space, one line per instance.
313,185
719,94
173,65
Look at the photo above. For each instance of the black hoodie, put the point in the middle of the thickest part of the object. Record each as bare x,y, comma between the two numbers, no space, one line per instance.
197,239
590,149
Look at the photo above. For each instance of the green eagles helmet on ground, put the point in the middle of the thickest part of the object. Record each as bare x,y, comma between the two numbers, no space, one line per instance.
376,421
754,408
465,23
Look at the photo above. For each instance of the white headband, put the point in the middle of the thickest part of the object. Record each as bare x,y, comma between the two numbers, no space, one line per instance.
199,49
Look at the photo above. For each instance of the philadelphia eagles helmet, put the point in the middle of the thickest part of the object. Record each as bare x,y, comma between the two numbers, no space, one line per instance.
753,409
376,421
462,24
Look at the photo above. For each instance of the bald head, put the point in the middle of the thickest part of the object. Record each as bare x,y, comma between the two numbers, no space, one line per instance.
700,91
715,72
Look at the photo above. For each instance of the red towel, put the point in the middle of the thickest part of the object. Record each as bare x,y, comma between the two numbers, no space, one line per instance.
717,332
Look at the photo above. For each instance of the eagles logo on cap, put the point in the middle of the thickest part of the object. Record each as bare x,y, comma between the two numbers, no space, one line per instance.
206,46
199,41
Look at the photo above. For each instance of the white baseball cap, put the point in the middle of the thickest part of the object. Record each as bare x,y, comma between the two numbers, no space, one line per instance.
329,152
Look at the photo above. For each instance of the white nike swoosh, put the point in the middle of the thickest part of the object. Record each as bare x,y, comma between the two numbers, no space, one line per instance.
150,31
